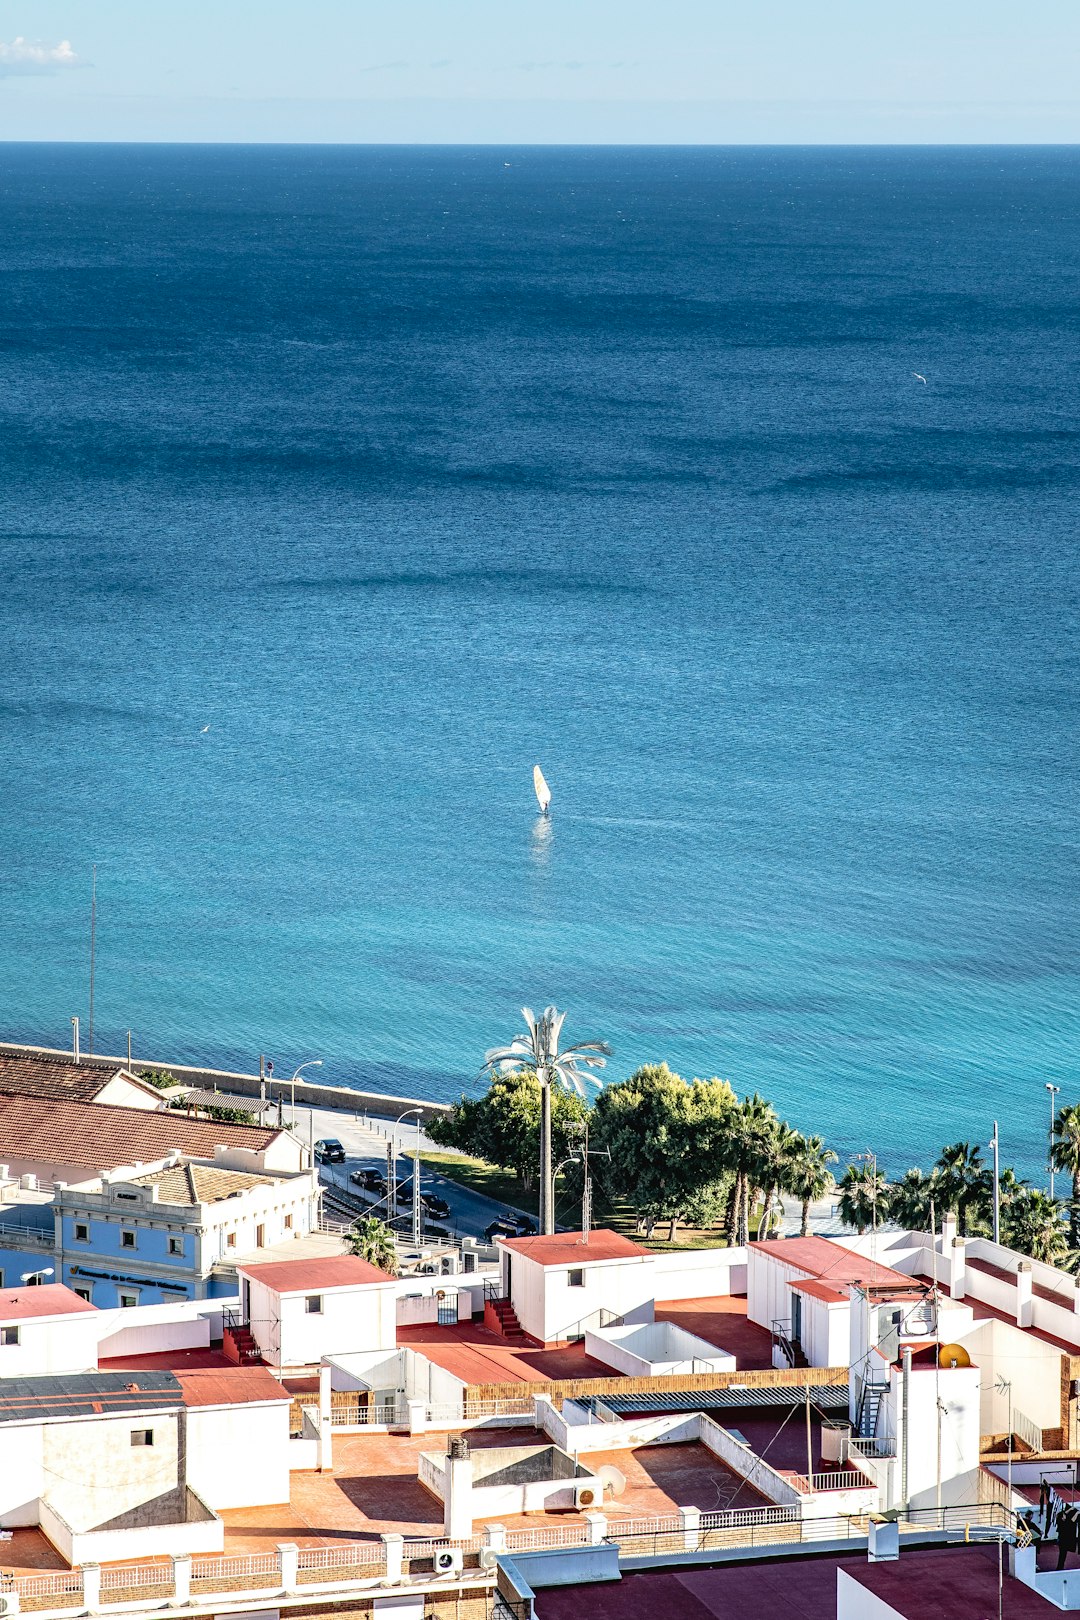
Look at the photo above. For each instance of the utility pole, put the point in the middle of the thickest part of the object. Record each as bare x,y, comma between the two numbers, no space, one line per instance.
995,1144
417,1222
1053,1090
93,931
75,1039
129,1049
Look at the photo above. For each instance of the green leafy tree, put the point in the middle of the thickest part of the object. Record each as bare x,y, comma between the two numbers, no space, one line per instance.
864,1197
503,1126
1035,1223
665,1136
371,1240
1065,1153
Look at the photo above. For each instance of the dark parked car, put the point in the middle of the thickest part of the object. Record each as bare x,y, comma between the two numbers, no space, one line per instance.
372,1181
500,1229
328,1150
430,1203
524,1225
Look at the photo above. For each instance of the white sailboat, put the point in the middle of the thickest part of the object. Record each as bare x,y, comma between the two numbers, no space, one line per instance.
543,792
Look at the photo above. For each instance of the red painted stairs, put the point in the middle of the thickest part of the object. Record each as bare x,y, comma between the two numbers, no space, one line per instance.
239,1346
504,1320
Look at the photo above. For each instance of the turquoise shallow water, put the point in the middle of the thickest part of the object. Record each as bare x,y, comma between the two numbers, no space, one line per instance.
404,469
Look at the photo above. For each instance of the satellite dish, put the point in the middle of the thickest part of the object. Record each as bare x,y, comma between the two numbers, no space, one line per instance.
613,1479
953,1355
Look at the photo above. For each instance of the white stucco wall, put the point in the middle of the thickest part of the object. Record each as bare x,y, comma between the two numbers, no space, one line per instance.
238,1456
21,1478
358,1318
58,1344
959,1389
548,1307
699,1274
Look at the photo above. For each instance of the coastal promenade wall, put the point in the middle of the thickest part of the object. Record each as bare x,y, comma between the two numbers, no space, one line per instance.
342,1099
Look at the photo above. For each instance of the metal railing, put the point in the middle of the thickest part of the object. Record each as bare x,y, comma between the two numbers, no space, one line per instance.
131,1575
846,1479
871,1446
744,1528
13,1236
782,1341
1027,1430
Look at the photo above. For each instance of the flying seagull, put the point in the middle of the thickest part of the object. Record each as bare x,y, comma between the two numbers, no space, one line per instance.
204,730
919,375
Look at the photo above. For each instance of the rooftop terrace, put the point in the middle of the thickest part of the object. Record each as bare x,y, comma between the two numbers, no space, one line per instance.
946,1583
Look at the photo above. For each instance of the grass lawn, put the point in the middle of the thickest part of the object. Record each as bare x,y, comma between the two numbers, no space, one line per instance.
506,1188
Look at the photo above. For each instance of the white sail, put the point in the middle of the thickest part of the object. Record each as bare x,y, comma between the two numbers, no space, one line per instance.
543,792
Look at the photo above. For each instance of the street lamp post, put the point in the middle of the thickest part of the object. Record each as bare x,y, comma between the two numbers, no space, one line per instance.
1053,1090
312,1063
32,1279
995,1144
416,1222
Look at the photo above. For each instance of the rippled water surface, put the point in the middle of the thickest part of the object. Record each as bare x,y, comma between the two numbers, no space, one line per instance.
401,470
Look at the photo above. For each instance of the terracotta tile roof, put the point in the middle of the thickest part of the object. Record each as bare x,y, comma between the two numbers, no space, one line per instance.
50,1299
91,1137
310,1276
199,1183
834,1263
42,1075
567,1248
236,1386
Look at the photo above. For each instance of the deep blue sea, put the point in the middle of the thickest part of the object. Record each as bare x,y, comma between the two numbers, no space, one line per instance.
401,470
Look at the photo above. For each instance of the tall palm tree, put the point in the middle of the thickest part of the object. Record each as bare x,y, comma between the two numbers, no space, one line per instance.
808,1176
966,1184
1065,1154
1034,1223
537,1048
371,1240
779,1147
916,1201
745,1154
864,1197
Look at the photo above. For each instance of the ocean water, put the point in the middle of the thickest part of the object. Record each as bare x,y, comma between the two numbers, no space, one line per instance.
403,469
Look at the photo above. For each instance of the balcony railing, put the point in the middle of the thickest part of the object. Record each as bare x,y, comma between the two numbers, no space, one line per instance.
212,1582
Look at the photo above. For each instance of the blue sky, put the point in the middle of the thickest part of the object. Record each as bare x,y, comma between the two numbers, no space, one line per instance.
552,70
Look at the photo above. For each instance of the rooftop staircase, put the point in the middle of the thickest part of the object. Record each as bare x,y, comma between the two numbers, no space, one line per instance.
239,1345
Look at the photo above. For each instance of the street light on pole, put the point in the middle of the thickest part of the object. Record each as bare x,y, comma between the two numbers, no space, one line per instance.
32,1279
995,1144
1053,1090
416,1233
312,1063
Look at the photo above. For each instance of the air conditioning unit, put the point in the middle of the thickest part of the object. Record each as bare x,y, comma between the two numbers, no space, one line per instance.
9,1603
489,1557
449,1561
588,1496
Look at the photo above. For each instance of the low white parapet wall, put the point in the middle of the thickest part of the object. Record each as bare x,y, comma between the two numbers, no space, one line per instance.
182,1324
204,1532
655,1349
698,1274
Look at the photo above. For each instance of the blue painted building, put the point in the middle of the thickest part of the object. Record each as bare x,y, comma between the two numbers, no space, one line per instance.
159,1232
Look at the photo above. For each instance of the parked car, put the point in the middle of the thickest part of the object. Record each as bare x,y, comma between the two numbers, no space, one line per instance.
500,1229
524,1225
328,1150
430,1202
372,1181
